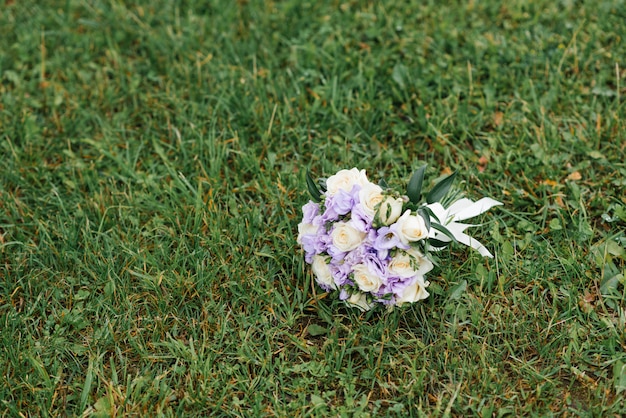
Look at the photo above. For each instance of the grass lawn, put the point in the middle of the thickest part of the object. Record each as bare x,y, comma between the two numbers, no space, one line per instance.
153,156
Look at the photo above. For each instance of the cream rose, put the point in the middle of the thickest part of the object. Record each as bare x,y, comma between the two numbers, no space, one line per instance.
305,229
365,279
402,265
389,210
370,196
413,293
424,265
359,300
345,180
322,272
345,237
410,227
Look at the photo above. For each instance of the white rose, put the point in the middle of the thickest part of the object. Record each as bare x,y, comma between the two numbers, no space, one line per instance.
345,180
410,227
306,229
369,196
413,293
365,279
359,300
424,265
345,237
390,210
322,272
402,265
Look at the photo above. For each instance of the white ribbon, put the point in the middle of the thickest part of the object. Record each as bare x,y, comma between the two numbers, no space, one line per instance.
460,210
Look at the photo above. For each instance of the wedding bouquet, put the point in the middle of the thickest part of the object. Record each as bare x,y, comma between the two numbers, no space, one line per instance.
374,244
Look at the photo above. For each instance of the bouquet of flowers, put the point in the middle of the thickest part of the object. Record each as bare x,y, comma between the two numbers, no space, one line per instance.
374,244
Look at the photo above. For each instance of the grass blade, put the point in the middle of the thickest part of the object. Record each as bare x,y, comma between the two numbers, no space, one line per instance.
84,396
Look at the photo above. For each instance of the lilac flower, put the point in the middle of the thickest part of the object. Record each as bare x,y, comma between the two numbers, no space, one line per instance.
318,221
361,220
309,212
372,236
393,285
353,257
314,244
329,215
375,264
386,239
340,203
340,272
336,254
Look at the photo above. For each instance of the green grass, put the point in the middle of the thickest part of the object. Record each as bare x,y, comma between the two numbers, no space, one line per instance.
153,158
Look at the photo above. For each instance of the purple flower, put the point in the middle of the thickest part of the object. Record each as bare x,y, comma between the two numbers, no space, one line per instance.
361,220
309,212
341,203
329,215
375,264
395,285
336,254
386,239
340,272
355,256
372,236
314,244
318,221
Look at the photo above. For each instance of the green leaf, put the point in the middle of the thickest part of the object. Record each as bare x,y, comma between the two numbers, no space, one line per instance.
610,286
313,190
619,376
430,213
440,189
555,224
382,183
414,189
399,75
615,249
620,212
314,330
317,401
444,231
424,214
507,249
437,244
103,407
322,183
458,290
